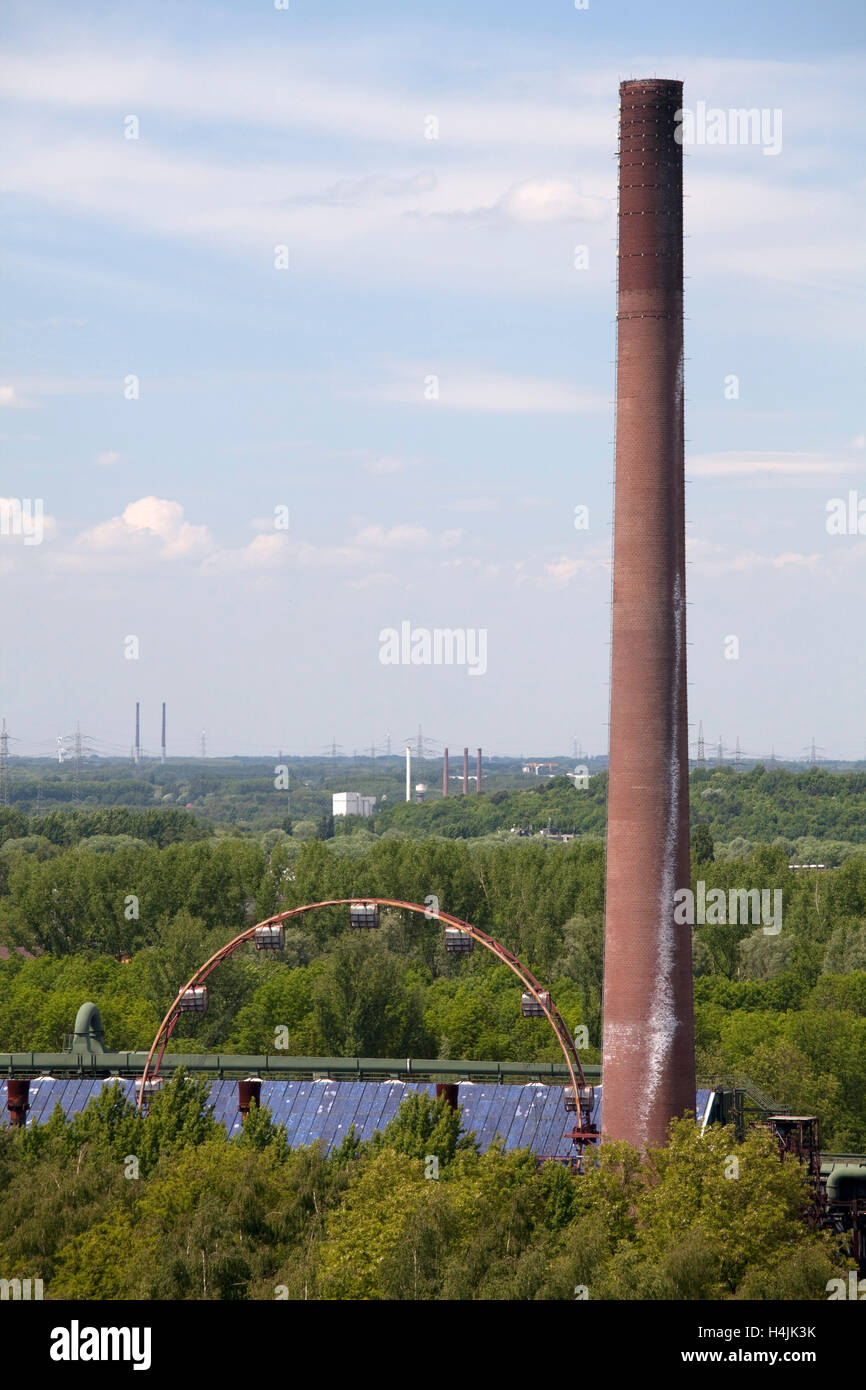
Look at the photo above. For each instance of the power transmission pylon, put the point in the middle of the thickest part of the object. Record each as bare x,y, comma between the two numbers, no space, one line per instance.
76,766
813,751
738,757
4,765
425,748
702,757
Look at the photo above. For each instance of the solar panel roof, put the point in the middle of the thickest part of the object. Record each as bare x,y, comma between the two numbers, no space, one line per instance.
531,1116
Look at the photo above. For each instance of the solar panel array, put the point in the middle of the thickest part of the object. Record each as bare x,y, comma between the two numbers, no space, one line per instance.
531,1116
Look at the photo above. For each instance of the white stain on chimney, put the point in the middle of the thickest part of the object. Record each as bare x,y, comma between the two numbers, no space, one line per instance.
663,1022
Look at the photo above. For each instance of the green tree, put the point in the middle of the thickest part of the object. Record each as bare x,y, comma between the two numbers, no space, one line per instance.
703,849
425,1126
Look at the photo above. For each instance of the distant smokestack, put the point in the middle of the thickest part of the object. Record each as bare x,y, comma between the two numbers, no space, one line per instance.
648,1061
408,773
478,772
137,731
163,731
465,771
445,773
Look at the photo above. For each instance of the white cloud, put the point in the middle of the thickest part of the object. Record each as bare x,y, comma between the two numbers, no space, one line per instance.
395,538
50,323
553,200
153,531
741,464
744,218
384,465
264,552
465,388
9,397
107,458
471,504
331,556
710,558
154,526
559,572
292,89
379,580
531,201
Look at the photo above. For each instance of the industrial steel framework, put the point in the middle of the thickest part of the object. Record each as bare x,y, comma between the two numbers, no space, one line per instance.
584,1133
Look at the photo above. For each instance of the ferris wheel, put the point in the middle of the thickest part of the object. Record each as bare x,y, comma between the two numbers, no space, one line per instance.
364,914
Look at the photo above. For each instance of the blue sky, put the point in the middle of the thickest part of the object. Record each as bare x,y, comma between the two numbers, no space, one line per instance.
411,257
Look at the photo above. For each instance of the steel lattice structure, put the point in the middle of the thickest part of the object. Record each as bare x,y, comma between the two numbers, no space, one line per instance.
583,1134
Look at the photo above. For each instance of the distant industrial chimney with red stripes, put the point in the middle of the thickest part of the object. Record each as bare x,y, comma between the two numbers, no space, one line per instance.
648,1064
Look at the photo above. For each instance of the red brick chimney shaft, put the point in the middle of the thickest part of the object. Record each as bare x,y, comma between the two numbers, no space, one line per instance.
648,1047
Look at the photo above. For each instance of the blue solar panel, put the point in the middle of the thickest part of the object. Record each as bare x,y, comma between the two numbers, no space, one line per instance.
476,1101
518,1115
43,1097
75,1099
596,1108
319,1102
497,1120
529,1116
560,1145
702,1104
274,1097
297,1099
224,1103
364,1123
535,1107
378,1093
341,1113
386,1102
526,1113
278,1098
548,1121
302,1115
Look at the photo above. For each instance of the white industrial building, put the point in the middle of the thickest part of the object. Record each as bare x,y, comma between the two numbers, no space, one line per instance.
352,804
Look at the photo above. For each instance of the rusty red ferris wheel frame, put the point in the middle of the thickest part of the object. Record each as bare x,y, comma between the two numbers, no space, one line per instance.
583,1095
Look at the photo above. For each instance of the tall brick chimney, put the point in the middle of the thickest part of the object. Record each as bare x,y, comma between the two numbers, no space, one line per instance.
648,1061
